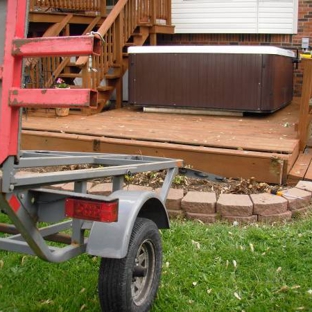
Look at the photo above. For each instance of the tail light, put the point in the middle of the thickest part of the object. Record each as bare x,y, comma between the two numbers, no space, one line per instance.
102,211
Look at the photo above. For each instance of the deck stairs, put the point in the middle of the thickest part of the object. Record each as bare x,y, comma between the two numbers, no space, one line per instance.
129,23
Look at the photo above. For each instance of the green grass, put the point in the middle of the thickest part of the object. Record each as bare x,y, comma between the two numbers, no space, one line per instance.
206,268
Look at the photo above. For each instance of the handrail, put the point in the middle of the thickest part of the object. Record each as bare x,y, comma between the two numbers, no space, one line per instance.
115,31
112,16
59,66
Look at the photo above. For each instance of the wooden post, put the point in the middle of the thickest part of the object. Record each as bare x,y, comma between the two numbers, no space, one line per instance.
153,39
304,113
154,11
103,8
119,45
168,20
31,5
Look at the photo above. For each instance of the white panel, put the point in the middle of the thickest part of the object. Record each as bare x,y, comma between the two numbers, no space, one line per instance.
235,16
224,49
277,16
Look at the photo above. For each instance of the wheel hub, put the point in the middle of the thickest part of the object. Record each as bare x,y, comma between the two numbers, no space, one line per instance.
143,272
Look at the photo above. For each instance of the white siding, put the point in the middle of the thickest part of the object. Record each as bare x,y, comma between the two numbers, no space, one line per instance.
277,16
235,16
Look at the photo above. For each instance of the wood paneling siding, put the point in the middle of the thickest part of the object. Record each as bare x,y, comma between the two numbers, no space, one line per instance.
233,81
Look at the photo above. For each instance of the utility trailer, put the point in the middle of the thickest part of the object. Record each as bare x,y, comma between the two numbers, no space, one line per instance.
122,228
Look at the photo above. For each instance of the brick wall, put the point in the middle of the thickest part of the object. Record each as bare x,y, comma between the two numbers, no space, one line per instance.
285,41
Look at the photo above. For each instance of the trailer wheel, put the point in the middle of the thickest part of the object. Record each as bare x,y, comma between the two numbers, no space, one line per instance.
130,284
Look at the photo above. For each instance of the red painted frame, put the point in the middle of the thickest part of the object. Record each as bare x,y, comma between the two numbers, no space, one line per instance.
46,98
11,77
56,46
16,46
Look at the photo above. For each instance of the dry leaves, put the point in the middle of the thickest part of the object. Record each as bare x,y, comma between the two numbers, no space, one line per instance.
231,186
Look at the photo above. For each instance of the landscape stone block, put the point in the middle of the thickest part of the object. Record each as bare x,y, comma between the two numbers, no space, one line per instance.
205,218
297,198
267,204
56,186
174,199
199,202
284,216
101,189
241,220
305,185
234,205
302,212
175,214
135,187
26,174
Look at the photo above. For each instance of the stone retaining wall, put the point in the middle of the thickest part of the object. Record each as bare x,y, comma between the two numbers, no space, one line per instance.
241,209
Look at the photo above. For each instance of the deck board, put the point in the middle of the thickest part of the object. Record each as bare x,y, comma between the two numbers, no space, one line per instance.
254,133
300,168
228,145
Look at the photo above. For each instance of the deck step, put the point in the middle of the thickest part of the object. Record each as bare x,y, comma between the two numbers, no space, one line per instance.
104,88
300,169
70,75
137,34
112,76
72,64
116,66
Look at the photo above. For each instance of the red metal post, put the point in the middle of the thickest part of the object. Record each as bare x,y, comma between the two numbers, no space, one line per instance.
12,76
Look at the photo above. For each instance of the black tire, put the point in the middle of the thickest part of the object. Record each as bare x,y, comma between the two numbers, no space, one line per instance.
130,284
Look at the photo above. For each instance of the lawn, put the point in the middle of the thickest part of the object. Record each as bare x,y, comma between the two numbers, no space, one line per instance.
215,267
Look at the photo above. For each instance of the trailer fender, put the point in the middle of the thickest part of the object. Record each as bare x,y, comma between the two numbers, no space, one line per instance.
111,240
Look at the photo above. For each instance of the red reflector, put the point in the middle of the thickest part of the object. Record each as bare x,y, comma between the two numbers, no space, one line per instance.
14,203
92,210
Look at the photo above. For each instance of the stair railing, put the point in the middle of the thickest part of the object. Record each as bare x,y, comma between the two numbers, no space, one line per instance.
105,69
115,32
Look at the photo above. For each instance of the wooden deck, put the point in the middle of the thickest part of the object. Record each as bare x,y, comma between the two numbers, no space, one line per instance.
264,147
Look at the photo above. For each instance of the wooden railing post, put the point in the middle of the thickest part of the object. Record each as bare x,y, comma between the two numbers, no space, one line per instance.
119,45
155,7
31,5
304,113
154,11
168,11
103,8
86,81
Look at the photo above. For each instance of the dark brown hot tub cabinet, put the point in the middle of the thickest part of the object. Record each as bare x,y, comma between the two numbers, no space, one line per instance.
236,78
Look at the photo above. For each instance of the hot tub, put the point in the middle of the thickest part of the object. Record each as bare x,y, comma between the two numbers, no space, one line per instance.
236,78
